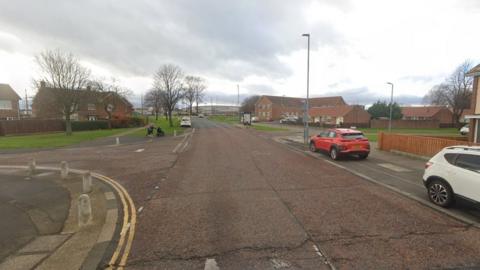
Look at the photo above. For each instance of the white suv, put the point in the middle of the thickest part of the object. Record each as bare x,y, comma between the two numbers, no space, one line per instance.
453,172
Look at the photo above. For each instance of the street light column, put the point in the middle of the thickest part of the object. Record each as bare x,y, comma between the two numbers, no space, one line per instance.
391,109
306,116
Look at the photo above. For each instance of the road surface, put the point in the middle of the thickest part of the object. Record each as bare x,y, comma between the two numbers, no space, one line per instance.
236,200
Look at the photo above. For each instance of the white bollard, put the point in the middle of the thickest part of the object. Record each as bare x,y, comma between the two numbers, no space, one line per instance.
84,210
64,170
117,141
174,133
32,165
87,182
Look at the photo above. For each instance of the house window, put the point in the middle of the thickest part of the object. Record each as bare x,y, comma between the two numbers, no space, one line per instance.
92,118
91,107
5,104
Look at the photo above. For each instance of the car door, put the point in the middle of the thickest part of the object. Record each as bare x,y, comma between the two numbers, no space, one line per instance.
329,140
467,176
320,140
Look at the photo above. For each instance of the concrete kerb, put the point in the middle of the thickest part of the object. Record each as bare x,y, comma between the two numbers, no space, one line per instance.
107,234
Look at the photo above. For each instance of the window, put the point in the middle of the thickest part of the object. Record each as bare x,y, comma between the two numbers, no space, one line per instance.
353,136
91,107
469,162
92,118
450,158
5,104
332,134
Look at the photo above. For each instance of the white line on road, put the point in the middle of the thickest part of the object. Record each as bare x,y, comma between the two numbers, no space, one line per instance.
211,264
140,150
140,209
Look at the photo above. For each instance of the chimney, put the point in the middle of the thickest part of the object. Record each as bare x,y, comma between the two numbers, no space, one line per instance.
42,84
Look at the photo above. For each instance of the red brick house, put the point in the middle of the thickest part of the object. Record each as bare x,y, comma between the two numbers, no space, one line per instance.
9,109
270,108
341,116
474,117
93,105
439,113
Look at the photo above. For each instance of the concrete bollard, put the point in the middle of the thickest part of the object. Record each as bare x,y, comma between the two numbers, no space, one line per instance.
174,133
117,141
32,165
87,182
84,210
64,170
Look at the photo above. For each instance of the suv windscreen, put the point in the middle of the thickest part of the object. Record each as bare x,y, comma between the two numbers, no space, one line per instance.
470,162
353,136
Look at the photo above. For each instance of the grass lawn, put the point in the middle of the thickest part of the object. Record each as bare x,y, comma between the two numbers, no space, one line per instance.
267,128
230,119
57,139
372,133
163,123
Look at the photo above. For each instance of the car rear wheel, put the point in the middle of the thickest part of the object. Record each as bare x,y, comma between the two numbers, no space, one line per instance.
312,147
440,193
334,153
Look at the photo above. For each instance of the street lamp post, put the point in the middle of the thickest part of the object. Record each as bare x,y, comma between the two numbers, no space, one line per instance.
305,115
391,108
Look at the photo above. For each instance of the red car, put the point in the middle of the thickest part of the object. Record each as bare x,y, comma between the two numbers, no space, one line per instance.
340,142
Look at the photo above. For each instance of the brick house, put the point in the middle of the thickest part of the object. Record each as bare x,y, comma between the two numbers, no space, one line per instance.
93,105
439,113
474,118
341,116
9,109
271,108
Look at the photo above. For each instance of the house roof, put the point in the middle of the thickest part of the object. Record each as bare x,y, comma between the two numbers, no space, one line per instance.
425,111
298,102
87,96
334,111
474,71
7,92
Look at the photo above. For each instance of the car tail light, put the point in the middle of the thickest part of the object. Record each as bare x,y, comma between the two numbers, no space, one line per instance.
428,164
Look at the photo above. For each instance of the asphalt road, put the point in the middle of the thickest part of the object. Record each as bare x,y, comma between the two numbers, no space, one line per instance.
236,200
29,207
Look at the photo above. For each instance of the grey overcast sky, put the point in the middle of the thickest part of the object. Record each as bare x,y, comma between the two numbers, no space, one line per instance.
356,45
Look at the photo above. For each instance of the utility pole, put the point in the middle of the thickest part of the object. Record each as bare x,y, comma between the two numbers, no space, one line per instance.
305,116
391,108
238,101
26,103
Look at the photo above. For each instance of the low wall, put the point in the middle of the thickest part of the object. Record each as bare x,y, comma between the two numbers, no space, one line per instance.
380,123
417,145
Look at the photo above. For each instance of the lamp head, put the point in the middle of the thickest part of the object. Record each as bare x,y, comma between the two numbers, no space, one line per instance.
305,35
390,83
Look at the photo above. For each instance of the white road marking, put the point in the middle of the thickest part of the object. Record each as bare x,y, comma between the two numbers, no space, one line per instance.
140,209
44,174
140,150
279,264
393,167
211,264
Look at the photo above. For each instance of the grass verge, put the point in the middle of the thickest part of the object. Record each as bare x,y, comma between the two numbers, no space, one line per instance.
372,133
57,139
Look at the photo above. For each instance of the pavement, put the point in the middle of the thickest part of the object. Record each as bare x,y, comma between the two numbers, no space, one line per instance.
222,197
40,224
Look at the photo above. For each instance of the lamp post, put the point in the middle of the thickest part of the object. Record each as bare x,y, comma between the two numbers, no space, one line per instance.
391,108
305,115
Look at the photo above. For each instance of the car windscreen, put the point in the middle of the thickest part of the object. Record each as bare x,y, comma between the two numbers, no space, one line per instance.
353,136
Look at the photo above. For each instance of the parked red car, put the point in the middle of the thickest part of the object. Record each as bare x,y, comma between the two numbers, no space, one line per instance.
340,142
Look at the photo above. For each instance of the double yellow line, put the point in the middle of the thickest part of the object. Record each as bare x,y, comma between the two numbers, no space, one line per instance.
120,255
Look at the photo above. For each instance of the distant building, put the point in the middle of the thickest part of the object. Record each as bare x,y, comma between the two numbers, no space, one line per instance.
342,116
474,117
270,108
439,113
218,109
9,109
93,105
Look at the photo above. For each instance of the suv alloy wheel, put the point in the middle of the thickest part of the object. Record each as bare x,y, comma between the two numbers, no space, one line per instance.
440,193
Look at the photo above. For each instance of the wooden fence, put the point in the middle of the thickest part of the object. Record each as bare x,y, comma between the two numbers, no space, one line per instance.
417,145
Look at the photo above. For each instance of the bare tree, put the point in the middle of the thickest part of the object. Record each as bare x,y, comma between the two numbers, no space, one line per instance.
153,98
248,104
109,95
455,92
194,91
63,72
168,80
